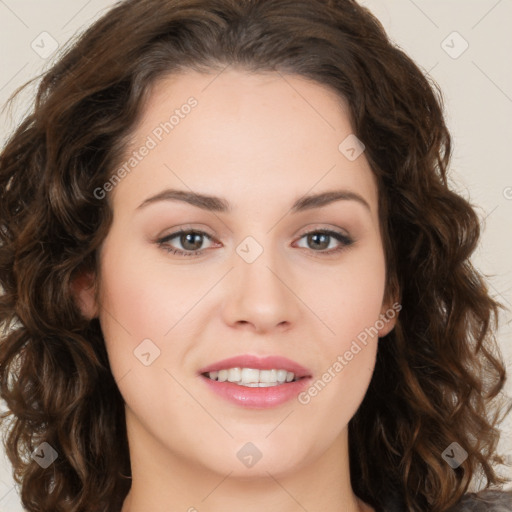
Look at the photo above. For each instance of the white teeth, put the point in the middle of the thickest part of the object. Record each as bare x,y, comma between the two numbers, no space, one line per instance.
252,377
281,376
268,376
234,375
249,375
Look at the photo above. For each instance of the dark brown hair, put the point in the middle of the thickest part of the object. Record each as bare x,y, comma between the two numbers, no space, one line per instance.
438,373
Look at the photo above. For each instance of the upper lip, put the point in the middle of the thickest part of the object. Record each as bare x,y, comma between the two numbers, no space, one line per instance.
259,363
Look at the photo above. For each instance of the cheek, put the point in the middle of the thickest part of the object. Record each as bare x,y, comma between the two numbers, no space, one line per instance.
349,299
140,298
132,309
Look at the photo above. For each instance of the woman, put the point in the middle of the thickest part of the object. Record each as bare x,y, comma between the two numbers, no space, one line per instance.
178,341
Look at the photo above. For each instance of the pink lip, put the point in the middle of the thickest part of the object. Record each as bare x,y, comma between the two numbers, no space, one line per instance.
258,398
259,363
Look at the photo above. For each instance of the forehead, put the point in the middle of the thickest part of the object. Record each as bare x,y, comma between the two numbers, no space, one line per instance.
264,133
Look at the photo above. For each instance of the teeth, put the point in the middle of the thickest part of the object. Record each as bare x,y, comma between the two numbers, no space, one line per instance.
281,376
268,376
234,375
249,376
252,377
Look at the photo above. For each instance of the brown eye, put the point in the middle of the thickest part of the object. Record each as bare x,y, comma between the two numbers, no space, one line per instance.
320,241
190,242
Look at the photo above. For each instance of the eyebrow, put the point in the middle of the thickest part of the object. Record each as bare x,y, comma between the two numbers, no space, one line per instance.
221,205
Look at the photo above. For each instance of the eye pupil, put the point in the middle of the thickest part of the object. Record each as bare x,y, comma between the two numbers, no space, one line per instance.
186,239
314,237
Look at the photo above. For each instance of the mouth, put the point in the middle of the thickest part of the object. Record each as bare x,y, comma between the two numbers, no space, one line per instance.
252,381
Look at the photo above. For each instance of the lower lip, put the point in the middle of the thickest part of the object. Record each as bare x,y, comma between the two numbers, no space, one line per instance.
257,398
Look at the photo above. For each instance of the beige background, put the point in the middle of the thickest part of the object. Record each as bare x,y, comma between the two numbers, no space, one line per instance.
476,82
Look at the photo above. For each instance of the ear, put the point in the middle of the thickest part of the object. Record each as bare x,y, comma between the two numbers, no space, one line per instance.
388,317
391,305
83,289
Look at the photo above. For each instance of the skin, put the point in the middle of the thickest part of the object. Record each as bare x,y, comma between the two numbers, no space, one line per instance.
260,141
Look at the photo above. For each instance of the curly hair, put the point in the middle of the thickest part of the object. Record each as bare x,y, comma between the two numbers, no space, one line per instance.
439,373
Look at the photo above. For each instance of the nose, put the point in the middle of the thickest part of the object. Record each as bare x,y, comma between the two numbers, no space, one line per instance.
260,295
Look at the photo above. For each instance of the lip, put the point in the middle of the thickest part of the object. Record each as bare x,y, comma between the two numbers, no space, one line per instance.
257,398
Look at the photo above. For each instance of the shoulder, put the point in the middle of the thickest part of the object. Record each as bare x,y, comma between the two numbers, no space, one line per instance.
485,501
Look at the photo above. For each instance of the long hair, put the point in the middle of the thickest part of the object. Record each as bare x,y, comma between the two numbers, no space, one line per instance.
438,374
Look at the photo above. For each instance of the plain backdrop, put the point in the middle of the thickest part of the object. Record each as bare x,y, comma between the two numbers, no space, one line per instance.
464,45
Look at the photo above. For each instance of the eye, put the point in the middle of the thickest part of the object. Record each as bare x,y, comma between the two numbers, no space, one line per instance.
321,239
190,241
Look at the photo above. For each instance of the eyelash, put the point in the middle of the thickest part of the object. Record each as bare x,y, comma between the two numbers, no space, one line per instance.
344,240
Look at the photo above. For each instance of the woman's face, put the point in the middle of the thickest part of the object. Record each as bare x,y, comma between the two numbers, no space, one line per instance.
248,281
